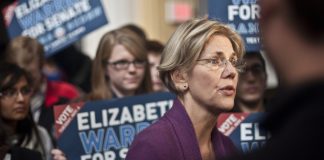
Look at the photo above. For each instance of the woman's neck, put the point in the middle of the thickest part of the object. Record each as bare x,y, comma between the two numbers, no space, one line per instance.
203,120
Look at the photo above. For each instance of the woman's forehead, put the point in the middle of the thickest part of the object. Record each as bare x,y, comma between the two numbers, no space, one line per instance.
219,45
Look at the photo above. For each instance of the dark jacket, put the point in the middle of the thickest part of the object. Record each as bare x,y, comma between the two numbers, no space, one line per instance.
18,153
296,124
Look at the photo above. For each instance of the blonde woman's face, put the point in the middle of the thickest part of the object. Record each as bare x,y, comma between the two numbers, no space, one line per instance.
124,71
213,79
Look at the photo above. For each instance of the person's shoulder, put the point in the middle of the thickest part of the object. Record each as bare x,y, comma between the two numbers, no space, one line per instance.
158,141
158,130
46,139
45,136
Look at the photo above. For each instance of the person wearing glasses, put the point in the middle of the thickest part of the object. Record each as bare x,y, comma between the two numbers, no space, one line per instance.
120,67
16,121
252,84
200,64
29,54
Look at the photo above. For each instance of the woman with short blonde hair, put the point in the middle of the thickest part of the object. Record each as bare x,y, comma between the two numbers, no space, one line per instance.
200,64
186,46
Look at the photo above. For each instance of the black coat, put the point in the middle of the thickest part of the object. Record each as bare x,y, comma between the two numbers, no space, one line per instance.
18,153
296,124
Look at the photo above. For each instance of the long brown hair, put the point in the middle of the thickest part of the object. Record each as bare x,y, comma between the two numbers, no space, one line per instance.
134,44
24,50
10,74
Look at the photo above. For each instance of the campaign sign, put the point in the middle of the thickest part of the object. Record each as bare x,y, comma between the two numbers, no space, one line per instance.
103,130
243,129
242,16
55,23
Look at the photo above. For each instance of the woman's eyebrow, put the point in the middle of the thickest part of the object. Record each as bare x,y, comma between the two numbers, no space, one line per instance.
234,54
221,53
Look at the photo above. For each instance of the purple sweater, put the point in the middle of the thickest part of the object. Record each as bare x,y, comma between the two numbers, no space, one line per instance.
173,138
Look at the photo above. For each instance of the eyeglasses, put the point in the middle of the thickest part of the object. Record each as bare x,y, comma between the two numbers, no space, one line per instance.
13,92
124,64
215,63
255,69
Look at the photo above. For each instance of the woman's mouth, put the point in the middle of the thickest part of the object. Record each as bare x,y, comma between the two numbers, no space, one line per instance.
227,90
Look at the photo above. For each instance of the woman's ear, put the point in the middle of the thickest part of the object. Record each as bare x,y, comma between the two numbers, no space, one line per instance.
180,80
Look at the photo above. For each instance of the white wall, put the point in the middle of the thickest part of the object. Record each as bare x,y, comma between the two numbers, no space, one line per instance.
148,14
118,12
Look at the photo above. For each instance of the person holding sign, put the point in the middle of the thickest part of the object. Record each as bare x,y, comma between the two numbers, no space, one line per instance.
200,64
16,121
120,67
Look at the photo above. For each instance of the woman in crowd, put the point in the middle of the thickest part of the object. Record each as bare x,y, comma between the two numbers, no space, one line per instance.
200,64
16,121
28,53
120,67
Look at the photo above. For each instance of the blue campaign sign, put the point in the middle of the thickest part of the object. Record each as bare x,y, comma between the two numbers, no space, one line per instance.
105,129
55,23
244,130
241,15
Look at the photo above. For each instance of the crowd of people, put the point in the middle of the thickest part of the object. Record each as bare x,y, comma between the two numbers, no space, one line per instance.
204,64
28,92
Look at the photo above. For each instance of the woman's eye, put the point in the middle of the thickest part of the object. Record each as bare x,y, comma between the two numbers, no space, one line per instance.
213,61
121,62
11,92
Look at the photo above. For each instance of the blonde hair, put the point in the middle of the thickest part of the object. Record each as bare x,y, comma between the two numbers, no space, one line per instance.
134,44
25,50
187,43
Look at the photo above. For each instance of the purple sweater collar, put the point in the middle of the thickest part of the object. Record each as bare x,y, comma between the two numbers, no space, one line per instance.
185,133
